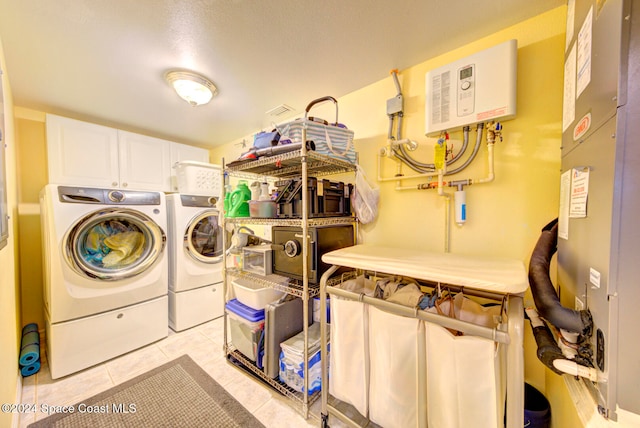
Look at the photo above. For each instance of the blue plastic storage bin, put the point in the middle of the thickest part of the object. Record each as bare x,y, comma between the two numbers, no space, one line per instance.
246,326
246,312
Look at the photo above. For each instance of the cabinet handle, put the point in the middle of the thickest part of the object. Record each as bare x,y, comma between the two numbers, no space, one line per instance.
115,183
124,184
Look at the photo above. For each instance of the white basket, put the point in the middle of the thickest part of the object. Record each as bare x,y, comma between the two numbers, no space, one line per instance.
253,294
198,178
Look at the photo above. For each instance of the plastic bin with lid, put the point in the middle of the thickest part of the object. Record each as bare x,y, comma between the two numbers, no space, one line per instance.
246,327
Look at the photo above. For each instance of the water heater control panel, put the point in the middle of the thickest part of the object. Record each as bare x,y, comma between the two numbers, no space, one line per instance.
478,88
466,90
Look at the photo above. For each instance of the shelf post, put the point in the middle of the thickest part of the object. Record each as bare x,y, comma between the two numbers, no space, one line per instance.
224,262
305,268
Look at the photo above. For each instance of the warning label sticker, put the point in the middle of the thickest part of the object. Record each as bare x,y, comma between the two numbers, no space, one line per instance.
490,114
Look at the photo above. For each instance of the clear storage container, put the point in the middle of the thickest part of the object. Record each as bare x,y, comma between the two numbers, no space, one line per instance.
246,327
262,209
257,259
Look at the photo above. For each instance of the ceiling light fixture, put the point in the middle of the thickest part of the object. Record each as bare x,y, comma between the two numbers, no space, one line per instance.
191,87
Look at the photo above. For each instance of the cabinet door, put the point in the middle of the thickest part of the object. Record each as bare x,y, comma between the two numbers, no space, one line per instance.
81,153
184,152
145,162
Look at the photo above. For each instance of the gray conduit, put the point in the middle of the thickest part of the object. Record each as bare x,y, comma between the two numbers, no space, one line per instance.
545,296
465,143
466,163
423,168
427,168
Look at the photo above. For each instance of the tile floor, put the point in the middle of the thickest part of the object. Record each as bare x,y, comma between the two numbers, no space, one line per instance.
203,343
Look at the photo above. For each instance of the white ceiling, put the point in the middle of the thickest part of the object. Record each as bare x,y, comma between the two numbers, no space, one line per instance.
104,61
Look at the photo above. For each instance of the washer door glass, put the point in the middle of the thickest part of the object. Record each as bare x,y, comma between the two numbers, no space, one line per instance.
203,237
113,244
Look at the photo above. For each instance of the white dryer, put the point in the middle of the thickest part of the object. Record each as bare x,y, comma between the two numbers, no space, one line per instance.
105,273
195,260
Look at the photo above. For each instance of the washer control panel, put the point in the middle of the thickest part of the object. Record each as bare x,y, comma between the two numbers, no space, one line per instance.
90,195
116,196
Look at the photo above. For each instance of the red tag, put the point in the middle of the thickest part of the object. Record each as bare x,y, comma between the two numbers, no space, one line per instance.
582,127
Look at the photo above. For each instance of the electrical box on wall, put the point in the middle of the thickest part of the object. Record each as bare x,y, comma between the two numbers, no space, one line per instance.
478,88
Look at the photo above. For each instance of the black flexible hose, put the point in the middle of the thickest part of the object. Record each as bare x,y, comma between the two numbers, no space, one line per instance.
548,350
545,296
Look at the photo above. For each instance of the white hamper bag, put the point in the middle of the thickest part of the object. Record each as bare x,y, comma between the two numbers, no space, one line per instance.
397,380
349,360
465,387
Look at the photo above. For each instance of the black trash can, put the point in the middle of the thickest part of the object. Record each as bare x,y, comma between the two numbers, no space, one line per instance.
537,411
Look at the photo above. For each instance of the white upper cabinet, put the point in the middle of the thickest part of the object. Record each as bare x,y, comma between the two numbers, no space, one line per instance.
82,154
183,152
145,162
86,154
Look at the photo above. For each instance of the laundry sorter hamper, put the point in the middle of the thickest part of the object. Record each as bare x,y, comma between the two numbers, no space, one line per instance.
411,361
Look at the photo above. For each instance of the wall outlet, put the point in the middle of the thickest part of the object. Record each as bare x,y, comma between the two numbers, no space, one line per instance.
579,304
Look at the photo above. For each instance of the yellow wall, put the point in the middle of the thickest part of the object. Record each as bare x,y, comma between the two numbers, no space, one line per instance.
32,176
10,327
504,217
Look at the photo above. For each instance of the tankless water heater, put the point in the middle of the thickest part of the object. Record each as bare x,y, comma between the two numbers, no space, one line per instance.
478,88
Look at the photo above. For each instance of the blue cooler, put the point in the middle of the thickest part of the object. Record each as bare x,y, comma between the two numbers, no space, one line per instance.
246,326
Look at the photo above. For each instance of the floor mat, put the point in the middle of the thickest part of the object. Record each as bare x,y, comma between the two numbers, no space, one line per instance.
176,394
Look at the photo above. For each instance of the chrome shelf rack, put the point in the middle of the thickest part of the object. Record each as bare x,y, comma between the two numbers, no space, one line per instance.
299,163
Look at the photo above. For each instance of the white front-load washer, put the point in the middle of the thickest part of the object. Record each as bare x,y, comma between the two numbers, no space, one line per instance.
195,260
105,273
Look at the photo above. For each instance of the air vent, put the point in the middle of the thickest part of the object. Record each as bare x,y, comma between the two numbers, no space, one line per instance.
280,110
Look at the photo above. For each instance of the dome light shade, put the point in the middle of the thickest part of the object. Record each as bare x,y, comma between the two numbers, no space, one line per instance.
191,87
